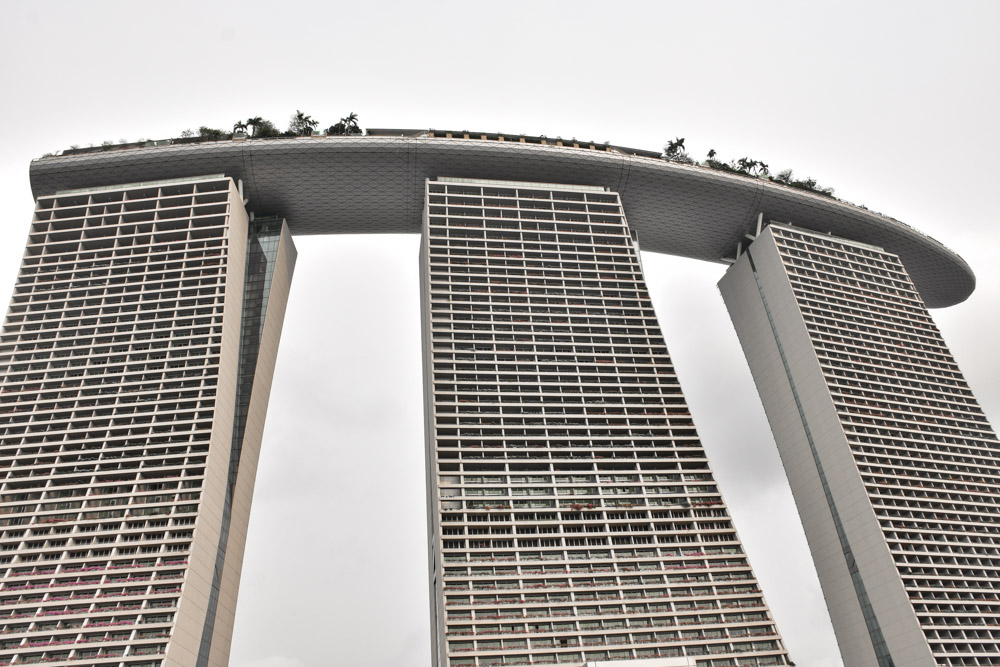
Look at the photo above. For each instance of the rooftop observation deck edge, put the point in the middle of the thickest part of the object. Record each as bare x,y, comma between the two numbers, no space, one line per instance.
374,184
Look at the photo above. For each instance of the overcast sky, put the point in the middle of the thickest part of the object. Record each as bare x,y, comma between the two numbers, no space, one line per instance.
895,105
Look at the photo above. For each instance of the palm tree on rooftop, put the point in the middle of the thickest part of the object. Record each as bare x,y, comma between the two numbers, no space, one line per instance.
351,124
239,126
674,148
302,124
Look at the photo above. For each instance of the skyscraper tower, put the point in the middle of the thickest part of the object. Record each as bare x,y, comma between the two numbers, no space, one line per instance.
574,516
135,367
891,461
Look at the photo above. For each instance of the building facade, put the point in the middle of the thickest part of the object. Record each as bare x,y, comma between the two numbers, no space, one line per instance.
892,463
573,517
573,514
136,362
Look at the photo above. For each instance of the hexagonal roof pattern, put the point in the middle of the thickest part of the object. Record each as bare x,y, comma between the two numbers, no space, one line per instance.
374,184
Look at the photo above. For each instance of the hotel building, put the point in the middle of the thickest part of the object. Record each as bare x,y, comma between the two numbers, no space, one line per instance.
137,357
572,515
892,463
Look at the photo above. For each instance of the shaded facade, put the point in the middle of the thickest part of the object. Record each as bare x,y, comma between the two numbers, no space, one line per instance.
891,461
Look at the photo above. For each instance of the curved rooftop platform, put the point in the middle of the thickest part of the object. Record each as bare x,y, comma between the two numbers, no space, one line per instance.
374,184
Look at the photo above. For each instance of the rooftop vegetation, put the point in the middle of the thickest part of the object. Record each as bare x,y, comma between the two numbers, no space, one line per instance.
303,125
255,127
675,151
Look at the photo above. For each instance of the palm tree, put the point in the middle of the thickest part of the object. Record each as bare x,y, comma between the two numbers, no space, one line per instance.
674,148
711,153
351,124
254,123
752,167
344,126
239,126
302,124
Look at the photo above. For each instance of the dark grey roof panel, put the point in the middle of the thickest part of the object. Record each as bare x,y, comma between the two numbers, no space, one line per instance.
364,184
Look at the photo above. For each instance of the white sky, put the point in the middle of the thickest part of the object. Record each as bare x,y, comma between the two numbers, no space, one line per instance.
896,105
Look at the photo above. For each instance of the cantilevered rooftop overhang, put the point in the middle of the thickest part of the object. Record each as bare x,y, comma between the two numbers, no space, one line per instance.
374,184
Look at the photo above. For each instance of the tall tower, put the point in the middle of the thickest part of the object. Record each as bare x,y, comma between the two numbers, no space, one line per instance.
135,366
573,516
892,463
